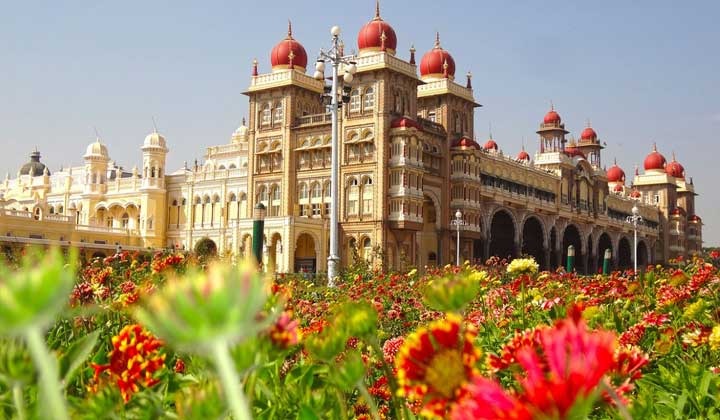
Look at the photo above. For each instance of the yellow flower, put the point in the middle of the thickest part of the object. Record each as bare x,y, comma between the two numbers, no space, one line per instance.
521,266
714,339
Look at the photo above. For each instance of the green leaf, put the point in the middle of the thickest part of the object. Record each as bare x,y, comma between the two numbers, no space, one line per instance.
307,413
76,355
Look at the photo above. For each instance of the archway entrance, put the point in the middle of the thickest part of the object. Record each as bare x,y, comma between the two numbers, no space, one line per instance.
305,256
604,243
428,237
206,247
571,236
532,240
553,249
624,254
642,255
274,247
502,235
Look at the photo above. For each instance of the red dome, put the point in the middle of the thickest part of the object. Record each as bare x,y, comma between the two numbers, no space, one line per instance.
433,62
635,194
695,218
678,211
675,169
654,160
405,122
370,36
574,152
615,174
523,155
490,144
588,134
466,142
618,188
552,117
286,51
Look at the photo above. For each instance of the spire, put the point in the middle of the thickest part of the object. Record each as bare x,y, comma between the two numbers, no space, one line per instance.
673,156
469,80
243,121
255,67
377,9
637,170
654,147
154,125
552,106
289,35
588,122
412,54
437,39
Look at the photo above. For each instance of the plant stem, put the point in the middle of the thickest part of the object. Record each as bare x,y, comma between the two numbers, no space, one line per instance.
19,401
230,381
369,399
46,365
341,402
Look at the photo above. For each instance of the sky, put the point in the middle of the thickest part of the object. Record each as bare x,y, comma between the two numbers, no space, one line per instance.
641,72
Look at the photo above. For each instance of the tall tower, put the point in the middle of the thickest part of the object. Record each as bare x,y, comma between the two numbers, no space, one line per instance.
96,166
153,196
552,133
590,146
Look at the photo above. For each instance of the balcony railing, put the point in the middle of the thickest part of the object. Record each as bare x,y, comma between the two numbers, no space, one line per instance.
315,119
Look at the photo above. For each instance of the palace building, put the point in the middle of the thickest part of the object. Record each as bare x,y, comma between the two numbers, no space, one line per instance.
409,159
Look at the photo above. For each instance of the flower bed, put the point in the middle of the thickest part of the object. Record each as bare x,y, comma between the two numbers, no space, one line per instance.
168,336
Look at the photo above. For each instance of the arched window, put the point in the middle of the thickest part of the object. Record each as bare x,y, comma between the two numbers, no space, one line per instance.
51,210
60,209
265,115
275,203
125,220
278,113
355,101
302,191
367,194
327,198
369,102
353,197
262,194
316,191
367,248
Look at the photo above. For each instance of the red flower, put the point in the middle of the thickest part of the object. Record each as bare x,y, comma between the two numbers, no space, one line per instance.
179,366
391,347
486,399
435,361
285,332
135,358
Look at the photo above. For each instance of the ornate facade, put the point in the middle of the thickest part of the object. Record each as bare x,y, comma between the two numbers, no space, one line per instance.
409,160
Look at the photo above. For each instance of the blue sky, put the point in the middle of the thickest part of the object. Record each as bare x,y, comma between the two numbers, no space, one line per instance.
641,71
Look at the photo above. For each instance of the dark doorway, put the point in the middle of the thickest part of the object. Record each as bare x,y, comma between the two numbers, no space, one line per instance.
502,235
532,241
604,243
571,236
624,254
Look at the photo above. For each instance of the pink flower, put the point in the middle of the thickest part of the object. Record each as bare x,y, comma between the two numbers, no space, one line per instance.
486,399
390,349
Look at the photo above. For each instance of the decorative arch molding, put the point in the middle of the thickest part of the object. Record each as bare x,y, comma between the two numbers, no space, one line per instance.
435,199
543,226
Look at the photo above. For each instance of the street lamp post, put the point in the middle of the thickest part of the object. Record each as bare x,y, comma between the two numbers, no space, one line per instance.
634,220
258,232
458,222
335,56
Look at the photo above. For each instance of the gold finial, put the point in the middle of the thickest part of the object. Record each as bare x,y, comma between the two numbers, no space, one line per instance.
377,9
673,156
289,29
243,121
588,122
154,125
552,105
437,39
615,161
490,130
654,147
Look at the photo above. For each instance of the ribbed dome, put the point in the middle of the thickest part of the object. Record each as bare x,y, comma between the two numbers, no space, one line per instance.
490,145
241,133
654,161
588,134
466,142
287,52
34,167
618,188
433,63
635,194
552,117
155,139
96,150
615,174
675,169
523,155
370,37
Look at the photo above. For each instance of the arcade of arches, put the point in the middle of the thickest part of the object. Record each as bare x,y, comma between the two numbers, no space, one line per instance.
543,238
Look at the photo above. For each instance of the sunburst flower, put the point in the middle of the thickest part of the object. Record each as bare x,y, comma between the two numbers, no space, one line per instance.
434,362
134,360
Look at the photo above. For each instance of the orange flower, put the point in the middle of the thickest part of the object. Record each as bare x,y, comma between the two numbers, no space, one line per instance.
134,359
435,361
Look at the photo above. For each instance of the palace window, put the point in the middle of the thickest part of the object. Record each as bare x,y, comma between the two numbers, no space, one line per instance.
303,191
367,195
125,221
278,114
355,101
265,115
353,192
432,116
369,102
